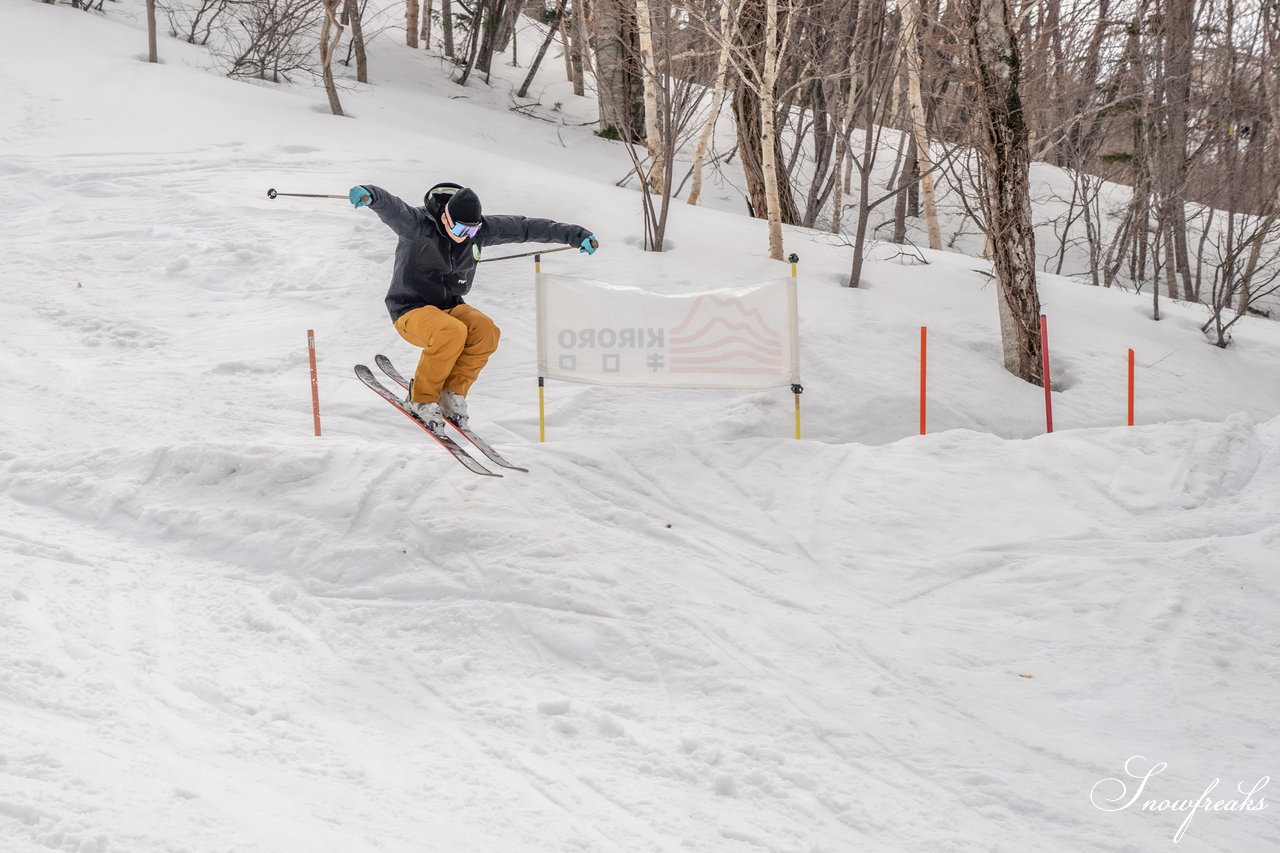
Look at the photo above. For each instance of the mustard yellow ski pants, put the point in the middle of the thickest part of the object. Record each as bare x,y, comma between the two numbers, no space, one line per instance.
456,345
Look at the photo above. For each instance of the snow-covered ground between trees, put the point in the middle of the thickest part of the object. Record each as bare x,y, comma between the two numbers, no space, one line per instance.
683,630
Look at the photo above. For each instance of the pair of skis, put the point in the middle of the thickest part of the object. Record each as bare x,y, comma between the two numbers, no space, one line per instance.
455,450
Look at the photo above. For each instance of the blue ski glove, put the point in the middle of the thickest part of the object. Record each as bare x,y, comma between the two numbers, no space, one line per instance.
360,196
590,244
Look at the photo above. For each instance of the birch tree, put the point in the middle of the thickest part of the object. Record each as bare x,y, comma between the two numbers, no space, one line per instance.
909,42
649,79
1003,146
760,41
768,132
717,98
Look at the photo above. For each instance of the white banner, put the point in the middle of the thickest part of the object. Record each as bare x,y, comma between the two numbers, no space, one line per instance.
603,334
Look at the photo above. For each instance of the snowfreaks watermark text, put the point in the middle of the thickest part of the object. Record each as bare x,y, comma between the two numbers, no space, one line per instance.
1113,795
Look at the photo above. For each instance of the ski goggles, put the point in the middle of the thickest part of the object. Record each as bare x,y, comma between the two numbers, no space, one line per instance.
459,229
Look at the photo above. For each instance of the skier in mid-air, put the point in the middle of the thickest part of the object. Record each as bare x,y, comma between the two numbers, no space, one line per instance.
435,264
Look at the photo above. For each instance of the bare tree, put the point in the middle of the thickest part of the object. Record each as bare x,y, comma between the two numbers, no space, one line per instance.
270,39
650,83
867,104
761,40
552,20
725,36
1003,145
195,24
675,70
1242,226
328,45
910,45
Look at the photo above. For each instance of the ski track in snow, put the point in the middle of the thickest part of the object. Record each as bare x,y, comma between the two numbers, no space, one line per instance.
756,644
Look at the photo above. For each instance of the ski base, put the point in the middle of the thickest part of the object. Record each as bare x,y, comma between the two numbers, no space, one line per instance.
365,375
483,446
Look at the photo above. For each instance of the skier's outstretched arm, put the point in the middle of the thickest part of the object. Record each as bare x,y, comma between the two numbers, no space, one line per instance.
523,229
398,215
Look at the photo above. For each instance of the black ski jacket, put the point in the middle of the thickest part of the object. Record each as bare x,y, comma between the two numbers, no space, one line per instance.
430,268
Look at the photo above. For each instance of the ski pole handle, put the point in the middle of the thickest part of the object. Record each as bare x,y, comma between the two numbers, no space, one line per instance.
271,193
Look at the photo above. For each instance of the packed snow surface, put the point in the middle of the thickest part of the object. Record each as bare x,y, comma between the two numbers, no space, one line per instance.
683,630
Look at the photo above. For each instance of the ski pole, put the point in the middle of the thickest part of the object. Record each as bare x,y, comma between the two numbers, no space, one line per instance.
272,194
527,254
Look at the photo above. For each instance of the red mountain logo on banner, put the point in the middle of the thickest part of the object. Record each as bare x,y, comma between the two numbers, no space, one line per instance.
719,335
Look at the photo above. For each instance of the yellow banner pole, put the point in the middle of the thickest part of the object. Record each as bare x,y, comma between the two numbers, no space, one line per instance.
542,411
797,390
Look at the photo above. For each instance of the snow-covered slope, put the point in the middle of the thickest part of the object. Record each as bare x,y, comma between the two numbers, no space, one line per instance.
683,630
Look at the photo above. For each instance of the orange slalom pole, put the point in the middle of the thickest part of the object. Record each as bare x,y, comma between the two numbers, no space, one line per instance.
1130,387
924,353
1044,358
315,384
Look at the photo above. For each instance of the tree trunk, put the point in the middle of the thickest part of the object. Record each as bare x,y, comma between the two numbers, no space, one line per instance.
506,16
327,47
649,80
906,182
864,196
411,23
153,53
446,26
473,42
910,42
1004,149
717,98
351,13
580,58
542,51
494,12
426,24
768,132
837,190
750,113
1180,42
617,80
568,41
